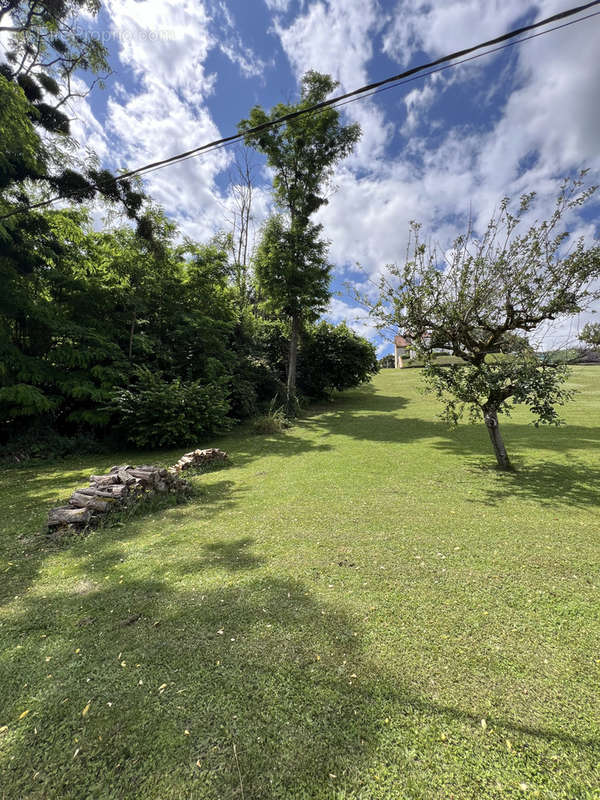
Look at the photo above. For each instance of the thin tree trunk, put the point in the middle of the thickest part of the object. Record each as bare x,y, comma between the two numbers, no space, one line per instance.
491,421
292,359
131,332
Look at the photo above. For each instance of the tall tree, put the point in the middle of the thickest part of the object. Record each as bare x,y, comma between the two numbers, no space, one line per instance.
240,240
590,335
292,270
482,299
302,154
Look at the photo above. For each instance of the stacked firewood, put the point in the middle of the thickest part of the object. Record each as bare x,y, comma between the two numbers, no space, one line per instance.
199,459
123,486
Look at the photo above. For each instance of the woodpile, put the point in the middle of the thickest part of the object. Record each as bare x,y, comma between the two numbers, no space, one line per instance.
123,486
199,459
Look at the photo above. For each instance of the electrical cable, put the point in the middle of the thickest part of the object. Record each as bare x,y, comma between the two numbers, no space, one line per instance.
368,90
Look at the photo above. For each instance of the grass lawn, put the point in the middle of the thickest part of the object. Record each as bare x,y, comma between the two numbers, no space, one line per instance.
361,607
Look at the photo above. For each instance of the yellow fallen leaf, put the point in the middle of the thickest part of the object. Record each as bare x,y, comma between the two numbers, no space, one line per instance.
198,764
483,724
3,729
123,663
162,687
508,744
24,714
186,732
78,650
86,709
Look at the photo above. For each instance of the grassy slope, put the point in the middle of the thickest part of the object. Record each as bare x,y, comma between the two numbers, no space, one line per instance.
361,606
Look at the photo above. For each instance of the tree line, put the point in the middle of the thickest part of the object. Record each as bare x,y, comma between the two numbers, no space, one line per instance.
135,329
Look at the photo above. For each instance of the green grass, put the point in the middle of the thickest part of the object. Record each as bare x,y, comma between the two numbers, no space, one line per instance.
361,607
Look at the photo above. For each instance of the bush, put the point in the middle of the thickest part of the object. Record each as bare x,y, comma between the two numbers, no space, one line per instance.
253,386
159,413
273,422
334,357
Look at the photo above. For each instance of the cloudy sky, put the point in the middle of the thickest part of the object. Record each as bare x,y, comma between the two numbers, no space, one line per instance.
435,150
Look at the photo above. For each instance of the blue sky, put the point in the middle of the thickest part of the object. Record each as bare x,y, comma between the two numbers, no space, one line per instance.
186,71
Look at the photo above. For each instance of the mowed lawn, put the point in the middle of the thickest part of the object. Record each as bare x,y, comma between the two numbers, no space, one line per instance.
362,607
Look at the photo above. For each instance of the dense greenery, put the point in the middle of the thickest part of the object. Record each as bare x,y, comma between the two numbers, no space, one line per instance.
334,357
123,331
129,332
107,326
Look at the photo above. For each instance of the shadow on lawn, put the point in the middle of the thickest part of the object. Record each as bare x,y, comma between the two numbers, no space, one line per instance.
261,665
551,484
106,542
233,556
574,483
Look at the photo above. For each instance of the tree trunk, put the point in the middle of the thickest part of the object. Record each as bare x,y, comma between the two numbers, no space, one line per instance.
292,359
131,332
491,420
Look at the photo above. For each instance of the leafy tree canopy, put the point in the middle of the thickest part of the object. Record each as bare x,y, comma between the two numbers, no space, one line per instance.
482,298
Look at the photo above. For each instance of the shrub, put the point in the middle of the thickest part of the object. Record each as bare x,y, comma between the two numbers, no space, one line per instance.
275,421
334,357
253,386
160,413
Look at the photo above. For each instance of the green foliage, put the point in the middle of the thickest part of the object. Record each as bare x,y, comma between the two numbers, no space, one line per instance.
303,151
160,413
21,152
291,268
40,442
334,357
93,306
510,381
275,421
590,334
482,300
387,362
38,157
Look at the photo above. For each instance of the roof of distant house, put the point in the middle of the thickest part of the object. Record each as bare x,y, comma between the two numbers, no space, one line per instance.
400,341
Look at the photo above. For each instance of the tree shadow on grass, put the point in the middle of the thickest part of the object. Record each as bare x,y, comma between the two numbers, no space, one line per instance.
232,555
108,542
123,705
259,666
366,398
554,483
551,484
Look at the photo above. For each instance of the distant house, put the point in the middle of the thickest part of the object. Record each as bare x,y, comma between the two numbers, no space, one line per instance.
402,350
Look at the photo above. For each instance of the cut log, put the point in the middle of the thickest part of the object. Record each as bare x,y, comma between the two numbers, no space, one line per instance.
123,476
85,501
65,515
93,492
103,480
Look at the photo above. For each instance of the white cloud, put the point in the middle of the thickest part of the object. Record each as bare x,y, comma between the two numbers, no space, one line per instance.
231,45
447,27
547,127
278,5
166,44
337,38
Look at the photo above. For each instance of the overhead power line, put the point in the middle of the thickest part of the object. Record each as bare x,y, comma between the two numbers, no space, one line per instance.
421,71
